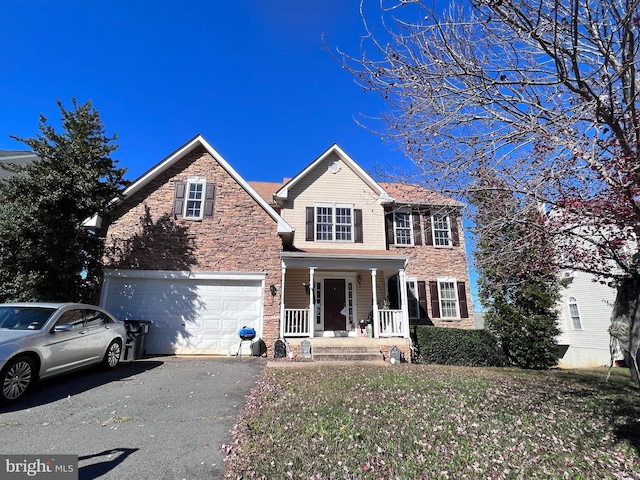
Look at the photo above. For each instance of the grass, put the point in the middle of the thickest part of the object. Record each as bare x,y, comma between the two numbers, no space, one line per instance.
430,421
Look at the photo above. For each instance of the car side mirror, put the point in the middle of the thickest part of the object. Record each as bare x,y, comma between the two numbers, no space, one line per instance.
62,328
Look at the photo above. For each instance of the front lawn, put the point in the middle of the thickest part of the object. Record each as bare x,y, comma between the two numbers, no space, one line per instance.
430,421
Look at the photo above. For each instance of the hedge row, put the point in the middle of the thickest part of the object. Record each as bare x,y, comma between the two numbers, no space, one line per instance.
455,346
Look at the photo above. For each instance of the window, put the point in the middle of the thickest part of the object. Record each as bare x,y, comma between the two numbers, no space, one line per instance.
441,232
334,223
75,318
95,318
194,199
402,228
574,313
448,299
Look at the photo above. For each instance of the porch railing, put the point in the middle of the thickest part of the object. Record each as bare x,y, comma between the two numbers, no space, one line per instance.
390,323
296,322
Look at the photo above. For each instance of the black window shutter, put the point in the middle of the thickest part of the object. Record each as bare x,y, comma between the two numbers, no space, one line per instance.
388,224
310,223
417,234
462,300
428,228
422,298
178,199
394,300
435,301
455,236
357,217
209,200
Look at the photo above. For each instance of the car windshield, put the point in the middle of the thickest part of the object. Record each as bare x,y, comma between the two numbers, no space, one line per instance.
24,318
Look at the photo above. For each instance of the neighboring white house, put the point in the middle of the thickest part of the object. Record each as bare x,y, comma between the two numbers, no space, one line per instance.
585,316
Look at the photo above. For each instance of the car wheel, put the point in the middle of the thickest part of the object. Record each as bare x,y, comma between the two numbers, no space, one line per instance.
112,356
16,379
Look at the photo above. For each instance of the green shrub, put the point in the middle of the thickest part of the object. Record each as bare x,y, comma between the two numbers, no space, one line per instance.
527,341
455,346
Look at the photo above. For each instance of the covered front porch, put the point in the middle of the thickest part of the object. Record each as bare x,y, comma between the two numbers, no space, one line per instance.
329,294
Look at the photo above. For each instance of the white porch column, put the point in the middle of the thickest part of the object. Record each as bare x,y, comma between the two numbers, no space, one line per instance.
312,306
376,323
404,303
282,319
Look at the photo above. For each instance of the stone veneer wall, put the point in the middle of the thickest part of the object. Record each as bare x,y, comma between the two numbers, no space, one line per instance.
240,237
428,263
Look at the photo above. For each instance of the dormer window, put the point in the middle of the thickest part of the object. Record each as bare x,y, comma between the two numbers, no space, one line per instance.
194,199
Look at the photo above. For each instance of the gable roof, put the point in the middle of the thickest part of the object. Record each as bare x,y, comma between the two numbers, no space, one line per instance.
390,193
198,141
14,157
283,192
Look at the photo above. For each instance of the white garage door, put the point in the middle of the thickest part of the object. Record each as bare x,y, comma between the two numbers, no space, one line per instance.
190,315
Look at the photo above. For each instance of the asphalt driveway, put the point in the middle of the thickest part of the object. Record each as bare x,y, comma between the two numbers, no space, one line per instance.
157,418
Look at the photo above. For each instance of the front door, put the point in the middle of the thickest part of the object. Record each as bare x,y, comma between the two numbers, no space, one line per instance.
334,303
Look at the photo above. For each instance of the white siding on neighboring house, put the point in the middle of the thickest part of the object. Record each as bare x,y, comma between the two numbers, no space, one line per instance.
588,346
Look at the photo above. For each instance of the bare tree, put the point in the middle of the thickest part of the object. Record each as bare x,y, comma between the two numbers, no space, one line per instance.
534,97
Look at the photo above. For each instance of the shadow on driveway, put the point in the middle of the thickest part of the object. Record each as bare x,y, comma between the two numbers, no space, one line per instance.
53,389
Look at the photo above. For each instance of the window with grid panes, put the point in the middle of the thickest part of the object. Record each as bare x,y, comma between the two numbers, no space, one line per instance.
441,231
194,199
403,228
448,299
334,223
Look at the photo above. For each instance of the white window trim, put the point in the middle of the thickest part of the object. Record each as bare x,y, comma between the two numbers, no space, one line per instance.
455,291
395,228
574,301
194,181
433,230
334,207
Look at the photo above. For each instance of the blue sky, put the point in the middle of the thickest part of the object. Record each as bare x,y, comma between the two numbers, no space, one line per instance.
252,77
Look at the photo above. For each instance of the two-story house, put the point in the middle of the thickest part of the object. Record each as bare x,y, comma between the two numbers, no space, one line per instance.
201,252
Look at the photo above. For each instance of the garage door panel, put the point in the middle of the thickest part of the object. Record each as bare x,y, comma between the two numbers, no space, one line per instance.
189,316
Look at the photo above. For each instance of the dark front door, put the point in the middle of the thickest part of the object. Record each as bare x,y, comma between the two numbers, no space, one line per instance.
334,302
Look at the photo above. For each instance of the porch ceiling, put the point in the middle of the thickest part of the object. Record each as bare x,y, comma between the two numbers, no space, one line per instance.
340,259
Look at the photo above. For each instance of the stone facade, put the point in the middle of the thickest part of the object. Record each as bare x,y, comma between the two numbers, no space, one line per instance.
239,237
427,263
242,237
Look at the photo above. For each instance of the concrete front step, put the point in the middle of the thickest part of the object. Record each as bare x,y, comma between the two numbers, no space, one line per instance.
350,349
347,357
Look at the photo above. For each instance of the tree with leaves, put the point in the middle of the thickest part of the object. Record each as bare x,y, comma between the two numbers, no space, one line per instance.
541,94
521,302
47,253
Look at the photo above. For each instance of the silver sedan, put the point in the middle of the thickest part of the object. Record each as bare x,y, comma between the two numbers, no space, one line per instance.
40,340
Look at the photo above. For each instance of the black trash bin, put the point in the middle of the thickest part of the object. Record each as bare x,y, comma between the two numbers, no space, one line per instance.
136,332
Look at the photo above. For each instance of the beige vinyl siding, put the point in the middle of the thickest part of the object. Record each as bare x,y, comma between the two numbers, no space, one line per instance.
343,187
295,294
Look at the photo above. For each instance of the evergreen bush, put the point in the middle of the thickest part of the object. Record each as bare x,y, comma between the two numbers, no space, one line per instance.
455,346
